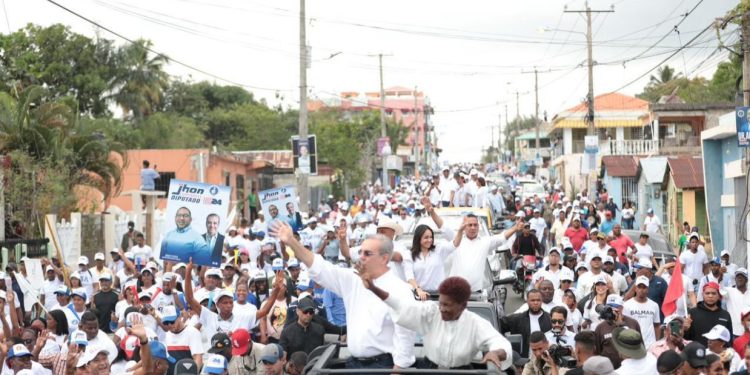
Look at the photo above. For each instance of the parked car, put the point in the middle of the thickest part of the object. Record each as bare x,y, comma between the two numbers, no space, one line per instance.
530,190
657,241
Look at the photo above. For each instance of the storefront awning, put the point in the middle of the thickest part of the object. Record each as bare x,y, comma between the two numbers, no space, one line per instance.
581,124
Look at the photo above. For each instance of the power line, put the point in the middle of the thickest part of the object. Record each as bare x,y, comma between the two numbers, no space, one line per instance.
663,61
7,21
149,49
684,17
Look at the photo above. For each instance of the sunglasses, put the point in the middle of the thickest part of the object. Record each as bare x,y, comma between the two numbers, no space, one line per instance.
367,253
308,312
268,363
168,323
557,321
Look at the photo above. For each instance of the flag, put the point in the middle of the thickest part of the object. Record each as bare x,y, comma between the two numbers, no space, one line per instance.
675,291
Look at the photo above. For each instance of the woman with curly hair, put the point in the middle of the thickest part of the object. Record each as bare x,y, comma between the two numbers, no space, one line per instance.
452,334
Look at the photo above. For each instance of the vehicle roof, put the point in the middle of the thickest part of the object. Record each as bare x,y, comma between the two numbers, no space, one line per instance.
481,212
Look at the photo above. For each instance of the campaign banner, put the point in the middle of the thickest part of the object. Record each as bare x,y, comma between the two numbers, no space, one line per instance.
196,219
305,154
281,204
743,127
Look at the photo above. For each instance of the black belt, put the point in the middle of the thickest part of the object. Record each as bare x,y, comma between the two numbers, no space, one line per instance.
369,360
433,365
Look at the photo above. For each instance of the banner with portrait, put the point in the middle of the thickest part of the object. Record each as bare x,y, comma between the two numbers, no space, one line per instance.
305,154
281,204
196,220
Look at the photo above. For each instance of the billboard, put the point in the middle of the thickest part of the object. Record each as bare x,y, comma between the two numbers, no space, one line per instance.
196,219
281,204
305,154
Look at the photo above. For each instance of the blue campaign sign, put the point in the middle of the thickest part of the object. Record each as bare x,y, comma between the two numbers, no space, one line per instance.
743,126
196,221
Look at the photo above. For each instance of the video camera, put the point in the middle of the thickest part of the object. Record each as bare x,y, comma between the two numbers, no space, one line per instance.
605,312
562,355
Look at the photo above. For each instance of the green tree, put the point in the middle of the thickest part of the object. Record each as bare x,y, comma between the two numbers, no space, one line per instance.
67,63
170,131
664,74
140,80
51,134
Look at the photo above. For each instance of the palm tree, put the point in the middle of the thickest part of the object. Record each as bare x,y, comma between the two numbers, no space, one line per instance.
52,132
138,88
664,74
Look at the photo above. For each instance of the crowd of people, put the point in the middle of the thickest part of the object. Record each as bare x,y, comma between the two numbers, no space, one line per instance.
595,305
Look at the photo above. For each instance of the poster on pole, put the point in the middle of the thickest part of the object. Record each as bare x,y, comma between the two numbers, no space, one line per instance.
281,204
305,154
196,219
743,126
384,146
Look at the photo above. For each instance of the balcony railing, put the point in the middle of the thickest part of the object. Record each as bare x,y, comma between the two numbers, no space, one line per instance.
629,147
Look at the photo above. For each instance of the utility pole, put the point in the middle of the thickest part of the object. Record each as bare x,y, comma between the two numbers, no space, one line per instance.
500,136
590,95
518,108
746,59
416,134
302,177
383,133
536,103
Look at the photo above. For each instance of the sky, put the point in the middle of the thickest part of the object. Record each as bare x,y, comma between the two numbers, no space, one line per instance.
469,57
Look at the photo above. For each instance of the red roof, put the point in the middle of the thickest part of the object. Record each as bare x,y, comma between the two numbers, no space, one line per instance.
612,102
686,172
620,165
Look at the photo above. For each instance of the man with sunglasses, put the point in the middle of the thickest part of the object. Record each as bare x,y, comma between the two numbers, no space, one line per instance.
304,334
559,334
182,341
374,340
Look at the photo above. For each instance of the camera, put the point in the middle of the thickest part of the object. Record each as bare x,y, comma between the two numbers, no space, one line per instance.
605,312
562,355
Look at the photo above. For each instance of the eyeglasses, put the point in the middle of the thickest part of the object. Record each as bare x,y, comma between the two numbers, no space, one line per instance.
184,216
557,321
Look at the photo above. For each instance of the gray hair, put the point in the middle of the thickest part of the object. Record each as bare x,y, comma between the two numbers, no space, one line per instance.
386,244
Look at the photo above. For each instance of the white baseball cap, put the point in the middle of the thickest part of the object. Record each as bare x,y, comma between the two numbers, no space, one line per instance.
642,280
99,256
214,272
614,300
724,252
83,260
719,332
223,293
90,353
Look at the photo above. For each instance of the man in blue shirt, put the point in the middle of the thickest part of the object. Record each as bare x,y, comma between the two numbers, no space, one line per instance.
148,175
182,243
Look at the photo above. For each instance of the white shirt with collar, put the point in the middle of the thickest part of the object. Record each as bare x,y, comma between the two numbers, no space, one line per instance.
736,302
470,259
643,366
586,283
371,329
449,343
567,338
553,276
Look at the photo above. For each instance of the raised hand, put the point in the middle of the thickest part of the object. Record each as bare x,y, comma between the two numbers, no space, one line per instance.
426,203
366,278
137,328
282,231
341,233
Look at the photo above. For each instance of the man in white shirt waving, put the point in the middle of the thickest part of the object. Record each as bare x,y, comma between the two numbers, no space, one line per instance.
471,253
374,340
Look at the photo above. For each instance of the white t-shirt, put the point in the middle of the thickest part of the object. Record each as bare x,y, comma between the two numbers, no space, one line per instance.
539,225
647,314
627,213
212,322
574,319
694,263
141,254
87,282
534,322
189,337
73,317
652,223
48,291
643,251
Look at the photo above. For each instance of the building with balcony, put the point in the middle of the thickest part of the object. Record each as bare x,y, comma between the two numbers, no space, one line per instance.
404,105
627,125
525,146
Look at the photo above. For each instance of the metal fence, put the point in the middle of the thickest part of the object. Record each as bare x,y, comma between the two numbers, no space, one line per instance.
18,248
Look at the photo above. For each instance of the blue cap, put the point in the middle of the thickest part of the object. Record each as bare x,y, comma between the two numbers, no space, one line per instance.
260,234
216,364
168,314
158,350
62,289
277,264
716,260
18,350
79,338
